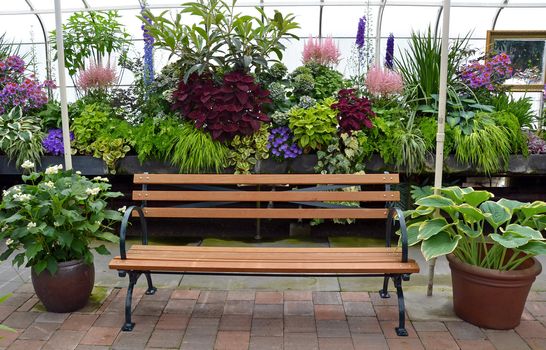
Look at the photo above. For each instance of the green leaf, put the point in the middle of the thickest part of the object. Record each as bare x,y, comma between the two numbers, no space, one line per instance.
468,230
534,248
534,208
32,249
476,198
52,265
511,204
438,245
524,231
422,211
102,250
413,234
454,193
509,240
107,236
435,201
40,266
470,213
429,228
499,214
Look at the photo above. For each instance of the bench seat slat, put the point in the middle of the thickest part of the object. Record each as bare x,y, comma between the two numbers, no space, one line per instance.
264,213
266,196
266,179
224,266
299,250
263,257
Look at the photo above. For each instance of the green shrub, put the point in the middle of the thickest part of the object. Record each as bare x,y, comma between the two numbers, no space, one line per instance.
313,127
343,155
521,108
247,150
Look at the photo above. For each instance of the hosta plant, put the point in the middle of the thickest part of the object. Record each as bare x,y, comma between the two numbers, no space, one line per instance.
56,216
21,136
497,235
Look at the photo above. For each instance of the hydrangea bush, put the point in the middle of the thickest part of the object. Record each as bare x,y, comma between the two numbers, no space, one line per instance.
56,216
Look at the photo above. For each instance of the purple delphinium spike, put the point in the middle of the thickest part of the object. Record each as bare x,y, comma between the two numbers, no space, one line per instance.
361,32
148,73
389,56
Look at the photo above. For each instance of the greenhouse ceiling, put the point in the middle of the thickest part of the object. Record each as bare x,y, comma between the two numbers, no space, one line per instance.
29,22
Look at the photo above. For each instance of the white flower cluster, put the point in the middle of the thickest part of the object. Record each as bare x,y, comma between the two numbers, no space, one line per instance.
31,225
9,241
123,209
27,164
98,178
22,197
92,191
49,184
54,169
78,172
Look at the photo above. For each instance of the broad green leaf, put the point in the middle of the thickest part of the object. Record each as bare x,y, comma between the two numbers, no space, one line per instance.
52,265
435,201
438,245
40,266
107,236
471,214
422,211
509,240
524,231
511,204
432,227
13,218
499,214
413,234
534,248
534,208
32,249
102,250
467,230
476,198
454,193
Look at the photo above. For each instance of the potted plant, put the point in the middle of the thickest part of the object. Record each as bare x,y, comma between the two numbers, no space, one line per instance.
51,223
490,246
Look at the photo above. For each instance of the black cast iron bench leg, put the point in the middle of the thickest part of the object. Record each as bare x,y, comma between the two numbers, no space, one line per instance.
384,293
133,278
401,329
151,289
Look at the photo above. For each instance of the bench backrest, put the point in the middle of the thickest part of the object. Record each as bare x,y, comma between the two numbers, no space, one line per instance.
317,196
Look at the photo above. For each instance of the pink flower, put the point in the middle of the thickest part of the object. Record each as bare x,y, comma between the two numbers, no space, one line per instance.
97,77
322,51
382,82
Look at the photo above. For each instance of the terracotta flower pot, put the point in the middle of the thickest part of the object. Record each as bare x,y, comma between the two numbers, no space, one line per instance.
491,298
68,290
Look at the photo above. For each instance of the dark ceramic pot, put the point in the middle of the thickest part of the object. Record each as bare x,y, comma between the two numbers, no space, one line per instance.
68,290
491,298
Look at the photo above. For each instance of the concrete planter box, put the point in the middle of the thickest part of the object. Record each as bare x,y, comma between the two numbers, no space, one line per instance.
86,164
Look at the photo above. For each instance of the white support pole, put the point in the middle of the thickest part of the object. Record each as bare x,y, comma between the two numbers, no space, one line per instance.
62,85
440,135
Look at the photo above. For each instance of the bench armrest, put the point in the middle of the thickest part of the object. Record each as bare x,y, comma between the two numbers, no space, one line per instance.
403,231
123,229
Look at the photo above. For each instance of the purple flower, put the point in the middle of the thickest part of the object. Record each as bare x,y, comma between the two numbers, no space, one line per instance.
535,144
361,32
148,74
389,56
53,142
281,145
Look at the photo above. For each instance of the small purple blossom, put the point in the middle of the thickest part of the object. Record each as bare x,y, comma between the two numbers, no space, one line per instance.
53,142
389,56
281,144
490,74
148,74
361,32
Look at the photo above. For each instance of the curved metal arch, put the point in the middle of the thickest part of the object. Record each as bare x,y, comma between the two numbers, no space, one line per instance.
321,11
378,32
46,46
495,19
440,11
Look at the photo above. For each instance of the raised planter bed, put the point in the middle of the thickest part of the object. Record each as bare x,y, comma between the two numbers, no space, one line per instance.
86,164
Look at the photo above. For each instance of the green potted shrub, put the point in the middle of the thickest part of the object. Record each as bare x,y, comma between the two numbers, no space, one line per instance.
490,246
51,223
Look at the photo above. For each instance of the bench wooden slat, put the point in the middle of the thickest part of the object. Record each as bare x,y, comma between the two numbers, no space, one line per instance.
224,266
272,250
266,196
266,179
264,213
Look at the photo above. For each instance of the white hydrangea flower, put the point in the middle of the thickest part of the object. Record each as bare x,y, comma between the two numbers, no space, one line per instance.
49,184
5,193
17,189
22,197
56,224
4,228
54,169
9,241
31,225
98,178
27,164
92,191
123,209
78,172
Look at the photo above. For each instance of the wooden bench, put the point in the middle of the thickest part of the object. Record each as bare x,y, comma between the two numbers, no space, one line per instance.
310,196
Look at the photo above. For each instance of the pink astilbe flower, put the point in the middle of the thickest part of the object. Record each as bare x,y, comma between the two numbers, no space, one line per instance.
97,77
322,51
382,82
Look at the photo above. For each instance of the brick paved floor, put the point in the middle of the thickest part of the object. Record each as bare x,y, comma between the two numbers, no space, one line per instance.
298,320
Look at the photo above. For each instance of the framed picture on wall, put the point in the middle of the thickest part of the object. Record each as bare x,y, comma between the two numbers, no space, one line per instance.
527,51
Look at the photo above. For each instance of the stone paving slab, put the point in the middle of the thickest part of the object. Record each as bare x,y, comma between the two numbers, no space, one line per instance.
178,318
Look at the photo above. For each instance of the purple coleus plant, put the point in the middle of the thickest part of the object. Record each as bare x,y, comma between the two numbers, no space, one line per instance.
281,144
53,142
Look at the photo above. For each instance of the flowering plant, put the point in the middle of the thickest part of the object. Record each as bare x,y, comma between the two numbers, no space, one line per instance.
490,74
384,82
55,216
354,113
281,144
53,142
18,89
321,51
535,144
